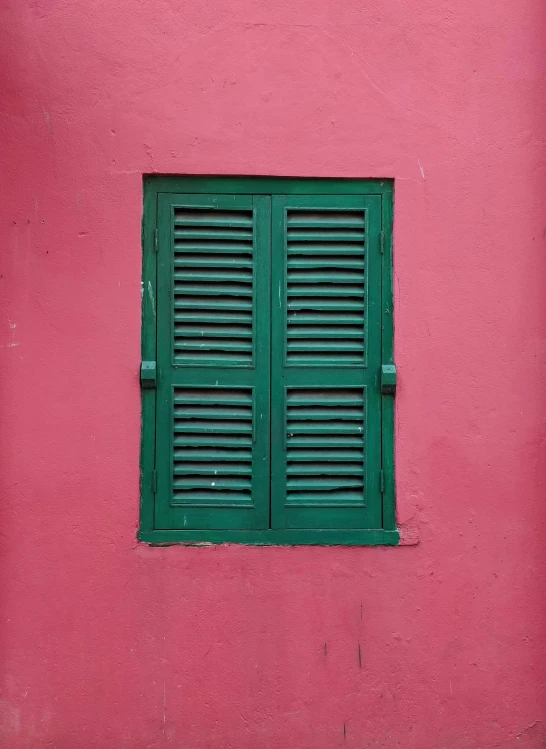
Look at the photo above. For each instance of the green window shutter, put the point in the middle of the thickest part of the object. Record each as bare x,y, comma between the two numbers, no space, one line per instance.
213,358
326,360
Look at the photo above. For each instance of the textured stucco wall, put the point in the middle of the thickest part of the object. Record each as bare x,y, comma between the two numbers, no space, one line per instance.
106,643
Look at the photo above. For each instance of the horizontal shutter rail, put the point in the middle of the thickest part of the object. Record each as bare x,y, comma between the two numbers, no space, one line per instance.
213,286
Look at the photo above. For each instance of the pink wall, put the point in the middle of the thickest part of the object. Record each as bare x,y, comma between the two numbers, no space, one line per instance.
107,643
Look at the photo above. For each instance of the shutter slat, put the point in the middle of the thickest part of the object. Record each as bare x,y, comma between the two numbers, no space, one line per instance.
205,440
325,218
325,236
328,346
213,317
203,217
191,469
212,345
323,318
214,261
325,249
210,277
212,331
213,289
213,248
335,331
213,483
330,261
197,455
213,235
326,468
215,397
316,275
219,304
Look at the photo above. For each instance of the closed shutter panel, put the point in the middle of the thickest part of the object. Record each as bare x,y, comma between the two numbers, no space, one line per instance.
212,437
326,357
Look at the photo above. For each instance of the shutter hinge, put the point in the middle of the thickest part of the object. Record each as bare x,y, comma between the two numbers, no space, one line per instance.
156,240
382,481
148,375
381,242
154,481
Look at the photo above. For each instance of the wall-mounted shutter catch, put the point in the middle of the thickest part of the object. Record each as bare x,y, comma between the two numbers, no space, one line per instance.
388,379
148,375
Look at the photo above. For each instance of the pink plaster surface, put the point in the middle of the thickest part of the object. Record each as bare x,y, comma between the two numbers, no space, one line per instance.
107,643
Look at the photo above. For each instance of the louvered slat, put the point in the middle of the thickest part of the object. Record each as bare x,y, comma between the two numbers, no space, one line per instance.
327,469
213,286
325,287
212,457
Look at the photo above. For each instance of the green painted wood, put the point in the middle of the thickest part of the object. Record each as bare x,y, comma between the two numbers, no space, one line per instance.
375,537
325,387
267,185
149,353
212,439
220,327
387,348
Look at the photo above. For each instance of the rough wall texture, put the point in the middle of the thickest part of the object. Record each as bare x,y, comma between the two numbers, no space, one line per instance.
106,643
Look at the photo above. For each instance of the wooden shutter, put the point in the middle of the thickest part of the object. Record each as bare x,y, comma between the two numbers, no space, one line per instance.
213,352
326,359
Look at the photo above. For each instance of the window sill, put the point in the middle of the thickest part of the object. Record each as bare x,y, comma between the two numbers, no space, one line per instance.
368,537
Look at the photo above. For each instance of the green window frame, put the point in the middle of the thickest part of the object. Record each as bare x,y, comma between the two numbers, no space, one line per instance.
267,361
